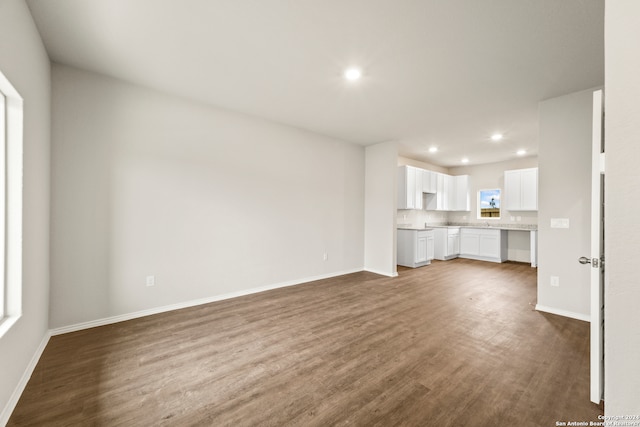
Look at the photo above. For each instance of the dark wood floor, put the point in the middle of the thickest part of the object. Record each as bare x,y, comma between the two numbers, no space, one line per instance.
456,343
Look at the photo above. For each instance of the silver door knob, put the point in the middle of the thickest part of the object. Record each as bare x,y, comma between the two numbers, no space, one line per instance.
595,262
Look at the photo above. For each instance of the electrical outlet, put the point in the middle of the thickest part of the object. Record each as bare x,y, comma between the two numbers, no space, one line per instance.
325,256
555,281
151,280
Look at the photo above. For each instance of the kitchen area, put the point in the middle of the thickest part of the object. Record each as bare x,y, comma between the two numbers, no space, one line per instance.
482,212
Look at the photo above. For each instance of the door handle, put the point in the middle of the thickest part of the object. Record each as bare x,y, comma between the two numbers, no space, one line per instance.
595,262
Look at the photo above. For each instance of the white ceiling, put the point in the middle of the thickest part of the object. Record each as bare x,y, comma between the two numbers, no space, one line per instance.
436,72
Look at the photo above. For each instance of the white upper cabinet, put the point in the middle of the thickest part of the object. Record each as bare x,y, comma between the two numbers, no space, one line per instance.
521,189
409,187
429,182
418,188
529,190
455,193
443,192
460,200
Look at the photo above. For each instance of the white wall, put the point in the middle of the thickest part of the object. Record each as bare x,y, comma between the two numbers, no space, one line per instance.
380,208
564,191
24,62
208,201
622,203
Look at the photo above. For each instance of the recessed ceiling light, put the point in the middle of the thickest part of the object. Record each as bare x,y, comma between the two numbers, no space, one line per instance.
433,149
465,160
521,152
352,74
496,137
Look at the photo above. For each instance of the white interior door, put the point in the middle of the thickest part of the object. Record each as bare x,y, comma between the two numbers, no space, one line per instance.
597,250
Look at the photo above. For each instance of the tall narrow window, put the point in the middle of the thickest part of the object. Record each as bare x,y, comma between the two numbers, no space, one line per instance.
3,145
489,204
11,114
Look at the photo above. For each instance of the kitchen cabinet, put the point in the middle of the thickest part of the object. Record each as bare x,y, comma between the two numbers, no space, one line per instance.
469,242
410,187
453,243
459,193
443,182
483,244
446,243
438,200
521,189
429,182
415,247
452,193
430,245
533,247
434,191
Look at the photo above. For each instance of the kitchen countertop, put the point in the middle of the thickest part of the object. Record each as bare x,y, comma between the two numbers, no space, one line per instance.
507,227
402,227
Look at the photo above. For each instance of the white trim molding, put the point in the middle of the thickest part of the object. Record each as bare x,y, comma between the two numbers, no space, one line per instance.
565,313
192,303
11,185
15,397
382,273
17,392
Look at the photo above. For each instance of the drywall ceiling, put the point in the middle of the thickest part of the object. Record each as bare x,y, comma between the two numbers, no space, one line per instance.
445,73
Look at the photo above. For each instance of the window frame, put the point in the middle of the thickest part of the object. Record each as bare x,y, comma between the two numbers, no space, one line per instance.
3,134
11,165
479,204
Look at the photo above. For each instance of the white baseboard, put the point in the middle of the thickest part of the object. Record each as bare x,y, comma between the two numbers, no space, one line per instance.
382,273
192,303
17,392
564,313
481,258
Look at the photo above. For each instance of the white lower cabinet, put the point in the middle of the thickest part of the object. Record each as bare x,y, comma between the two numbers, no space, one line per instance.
483,244
447,243
415,247
469,242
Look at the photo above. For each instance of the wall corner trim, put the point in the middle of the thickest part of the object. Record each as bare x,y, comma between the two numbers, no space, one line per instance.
17,392
565,313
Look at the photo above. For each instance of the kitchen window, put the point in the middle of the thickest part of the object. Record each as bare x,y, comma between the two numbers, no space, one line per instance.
489,204
11,114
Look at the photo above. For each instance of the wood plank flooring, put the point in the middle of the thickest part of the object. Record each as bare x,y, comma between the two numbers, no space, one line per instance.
456,343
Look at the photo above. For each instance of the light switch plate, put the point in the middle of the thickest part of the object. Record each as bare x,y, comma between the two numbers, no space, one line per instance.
559,222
